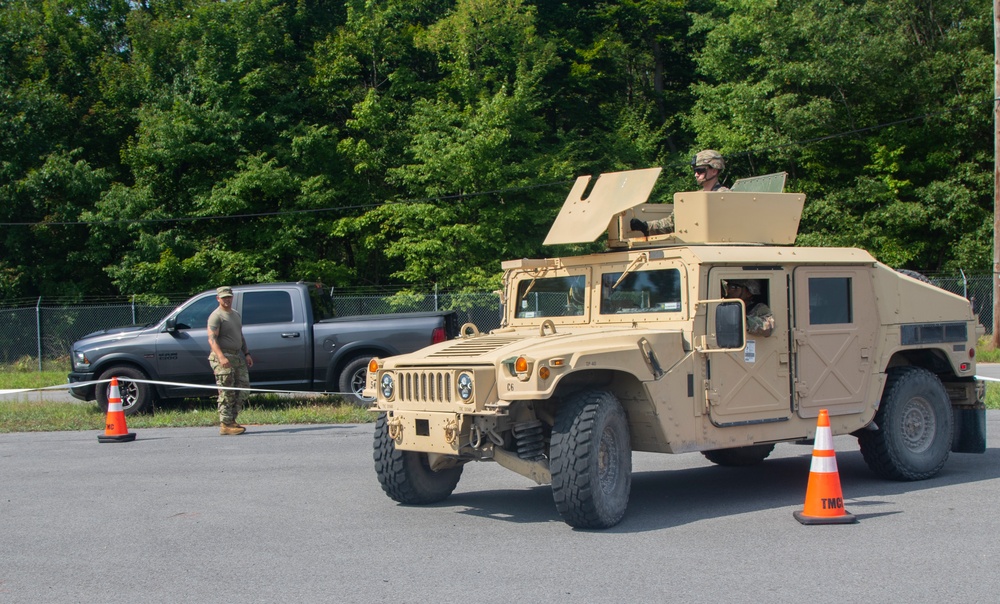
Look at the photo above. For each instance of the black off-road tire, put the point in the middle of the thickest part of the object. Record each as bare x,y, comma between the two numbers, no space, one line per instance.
352,381
406,476
591,460
915,425
739,457
136,398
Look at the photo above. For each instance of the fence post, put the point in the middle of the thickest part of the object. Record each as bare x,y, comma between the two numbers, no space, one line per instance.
435,297
38,330
133,310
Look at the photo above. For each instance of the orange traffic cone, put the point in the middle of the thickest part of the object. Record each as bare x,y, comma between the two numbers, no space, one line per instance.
115,430
824,500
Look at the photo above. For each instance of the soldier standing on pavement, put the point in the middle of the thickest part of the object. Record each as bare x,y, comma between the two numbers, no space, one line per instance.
708,166
230,360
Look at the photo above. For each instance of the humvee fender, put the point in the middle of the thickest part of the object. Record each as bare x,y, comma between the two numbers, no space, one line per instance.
718,337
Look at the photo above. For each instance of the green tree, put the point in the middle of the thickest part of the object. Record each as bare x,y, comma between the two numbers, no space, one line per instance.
779,77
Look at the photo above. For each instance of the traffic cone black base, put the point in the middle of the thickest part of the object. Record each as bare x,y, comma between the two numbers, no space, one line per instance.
845,518
121,438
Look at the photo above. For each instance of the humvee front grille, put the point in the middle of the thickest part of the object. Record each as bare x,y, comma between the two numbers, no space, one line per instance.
426,386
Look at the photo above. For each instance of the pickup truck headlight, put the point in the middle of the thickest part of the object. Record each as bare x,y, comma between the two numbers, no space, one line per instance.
80,360
388,385
465,386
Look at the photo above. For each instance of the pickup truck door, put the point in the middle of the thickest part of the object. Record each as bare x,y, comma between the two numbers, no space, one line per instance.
182,356
279,336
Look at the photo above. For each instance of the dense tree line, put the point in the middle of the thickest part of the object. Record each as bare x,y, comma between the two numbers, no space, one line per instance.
170,145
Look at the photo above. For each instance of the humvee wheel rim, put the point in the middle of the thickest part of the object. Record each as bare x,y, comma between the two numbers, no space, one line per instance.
608,462
919,425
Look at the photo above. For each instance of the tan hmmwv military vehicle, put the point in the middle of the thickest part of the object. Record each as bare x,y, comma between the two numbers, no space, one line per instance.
639,349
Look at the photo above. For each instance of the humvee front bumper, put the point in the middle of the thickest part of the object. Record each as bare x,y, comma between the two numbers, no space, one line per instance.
428,431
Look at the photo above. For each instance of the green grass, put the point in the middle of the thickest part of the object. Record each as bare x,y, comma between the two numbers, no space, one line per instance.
29,413
985,352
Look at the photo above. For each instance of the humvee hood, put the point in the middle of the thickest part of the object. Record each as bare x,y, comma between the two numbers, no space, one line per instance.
489,348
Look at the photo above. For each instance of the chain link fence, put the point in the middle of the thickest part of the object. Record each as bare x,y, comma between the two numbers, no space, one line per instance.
31,335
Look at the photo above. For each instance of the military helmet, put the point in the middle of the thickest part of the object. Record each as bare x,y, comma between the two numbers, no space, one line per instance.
710,158
751,285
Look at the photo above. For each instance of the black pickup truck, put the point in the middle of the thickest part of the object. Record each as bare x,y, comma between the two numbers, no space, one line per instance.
297,344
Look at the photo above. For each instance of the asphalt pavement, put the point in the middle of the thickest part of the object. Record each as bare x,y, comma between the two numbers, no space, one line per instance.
295,513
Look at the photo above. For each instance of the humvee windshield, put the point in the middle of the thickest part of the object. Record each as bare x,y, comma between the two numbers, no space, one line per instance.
643,291
551,297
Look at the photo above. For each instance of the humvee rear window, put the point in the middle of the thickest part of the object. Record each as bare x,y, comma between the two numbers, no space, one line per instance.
830,300
641,291
551,297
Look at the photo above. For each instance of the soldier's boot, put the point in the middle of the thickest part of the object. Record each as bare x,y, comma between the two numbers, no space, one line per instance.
231,429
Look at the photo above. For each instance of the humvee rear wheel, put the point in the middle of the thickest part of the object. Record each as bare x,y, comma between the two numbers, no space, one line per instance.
406,476
591,460
740,456
914,422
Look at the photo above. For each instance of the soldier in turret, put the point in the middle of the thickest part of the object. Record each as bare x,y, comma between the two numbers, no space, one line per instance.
708,166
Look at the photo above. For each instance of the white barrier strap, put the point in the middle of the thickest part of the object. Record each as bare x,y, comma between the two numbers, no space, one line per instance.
199,386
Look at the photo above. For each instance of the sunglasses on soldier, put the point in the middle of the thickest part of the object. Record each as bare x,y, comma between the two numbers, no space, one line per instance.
700,170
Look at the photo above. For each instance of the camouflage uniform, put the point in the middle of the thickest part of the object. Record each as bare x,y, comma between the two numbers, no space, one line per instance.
760,321
237,375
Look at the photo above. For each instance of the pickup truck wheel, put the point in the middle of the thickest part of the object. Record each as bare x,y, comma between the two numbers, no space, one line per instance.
591,460
136,398
406,476
352,382
914,427
740,456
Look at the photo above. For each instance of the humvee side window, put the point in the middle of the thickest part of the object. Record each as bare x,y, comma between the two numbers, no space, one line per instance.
642,291
830,300
551,297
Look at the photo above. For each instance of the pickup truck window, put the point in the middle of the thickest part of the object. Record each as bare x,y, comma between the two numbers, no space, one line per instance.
643,291
322,304
196,315
266,307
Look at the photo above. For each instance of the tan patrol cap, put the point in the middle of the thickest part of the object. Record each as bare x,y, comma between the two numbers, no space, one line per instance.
224,292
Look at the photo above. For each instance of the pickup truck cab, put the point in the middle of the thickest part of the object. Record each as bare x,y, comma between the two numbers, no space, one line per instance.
297,344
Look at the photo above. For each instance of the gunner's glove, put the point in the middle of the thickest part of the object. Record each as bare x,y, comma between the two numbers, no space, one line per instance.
638,225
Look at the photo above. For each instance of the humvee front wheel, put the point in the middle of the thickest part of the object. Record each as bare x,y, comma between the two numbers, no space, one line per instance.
591,460
740,456
406,476
914,423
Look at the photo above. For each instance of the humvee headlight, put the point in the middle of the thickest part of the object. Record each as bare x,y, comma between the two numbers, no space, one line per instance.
465,387
388,385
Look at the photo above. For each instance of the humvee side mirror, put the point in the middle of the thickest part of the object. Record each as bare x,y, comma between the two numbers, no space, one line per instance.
725,326
729,325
